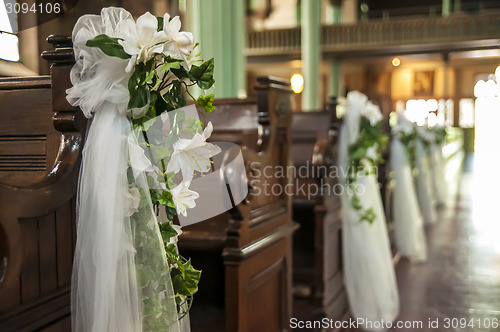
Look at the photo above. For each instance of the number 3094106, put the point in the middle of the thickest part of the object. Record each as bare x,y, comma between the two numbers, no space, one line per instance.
37,8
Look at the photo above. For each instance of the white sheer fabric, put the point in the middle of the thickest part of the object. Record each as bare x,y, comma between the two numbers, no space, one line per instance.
425,189
439,172
368,269
408,221
121,279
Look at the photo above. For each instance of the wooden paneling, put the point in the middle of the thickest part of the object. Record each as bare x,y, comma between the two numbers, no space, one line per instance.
40,145
254,238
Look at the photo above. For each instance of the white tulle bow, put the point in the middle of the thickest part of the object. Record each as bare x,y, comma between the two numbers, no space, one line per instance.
121,279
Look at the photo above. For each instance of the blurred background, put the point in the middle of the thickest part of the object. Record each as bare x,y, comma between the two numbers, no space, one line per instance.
400,53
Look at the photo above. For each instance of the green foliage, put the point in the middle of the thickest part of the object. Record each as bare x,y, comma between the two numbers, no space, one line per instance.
206,102
157,86
369,137
203,75
409,142
109,46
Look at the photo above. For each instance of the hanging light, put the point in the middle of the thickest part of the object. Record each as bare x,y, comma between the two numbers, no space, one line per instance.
396,62
297,83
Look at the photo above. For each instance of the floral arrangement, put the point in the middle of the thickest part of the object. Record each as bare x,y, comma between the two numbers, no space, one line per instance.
406,133
439,134
366,152
431,135
161,67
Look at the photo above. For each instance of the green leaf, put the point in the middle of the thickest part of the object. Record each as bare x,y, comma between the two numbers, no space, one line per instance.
203,75
171,212
173,97
109,46
206,102
167,65
160,24
166,199
191,277
167,231
180,73
139,98
192,125
144,276
159,152
139,93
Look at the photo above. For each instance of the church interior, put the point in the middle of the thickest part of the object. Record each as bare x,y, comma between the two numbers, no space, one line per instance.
287,72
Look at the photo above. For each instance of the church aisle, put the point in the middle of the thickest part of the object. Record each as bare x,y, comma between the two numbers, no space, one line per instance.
458,288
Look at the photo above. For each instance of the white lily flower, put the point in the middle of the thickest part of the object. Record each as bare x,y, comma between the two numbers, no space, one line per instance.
403,127
180,43
183,197
137,157
372,113
193,154
371,153
141,40
425,134
133,199
341,107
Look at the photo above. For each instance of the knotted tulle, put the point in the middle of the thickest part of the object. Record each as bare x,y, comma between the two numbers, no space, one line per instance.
425,190
368,270
121,279
408,221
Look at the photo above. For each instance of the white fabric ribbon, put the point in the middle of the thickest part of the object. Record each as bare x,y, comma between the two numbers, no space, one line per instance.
439,167
408,221
425,189
121,279
369,275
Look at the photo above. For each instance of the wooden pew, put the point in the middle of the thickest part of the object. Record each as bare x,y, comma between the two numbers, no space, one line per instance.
315,147
40,143
39,164
246,253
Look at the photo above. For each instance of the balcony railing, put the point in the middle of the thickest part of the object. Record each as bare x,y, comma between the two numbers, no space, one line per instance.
405,36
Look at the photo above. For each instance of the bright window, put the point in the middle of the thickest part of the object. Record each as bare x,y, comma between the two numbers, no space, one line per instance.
9,48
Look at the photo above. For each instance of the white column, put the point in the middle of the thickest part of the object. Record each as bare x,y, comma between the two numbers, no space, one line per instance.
311,53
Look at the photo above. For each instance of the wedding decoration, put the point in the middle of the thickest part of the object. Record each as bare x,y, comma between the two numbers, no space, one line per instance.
408,221
366,152
439,164
368,269
425,189
141,153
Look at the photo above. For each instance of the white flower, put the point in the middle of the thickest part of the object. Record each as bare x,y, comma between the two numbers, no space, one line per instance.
133,198
178,229
341,107
403,127
372,113
137,157
425,134
183,197
371,153
193,154
180,43
141,40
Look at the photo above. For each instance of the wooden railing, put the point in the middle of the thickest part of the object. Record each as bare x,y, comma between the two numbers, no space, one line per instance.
457,32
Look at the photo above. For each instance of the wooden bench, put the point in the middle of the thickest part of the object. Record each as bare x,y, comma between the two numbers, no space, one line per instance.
41,137
318,246
246,253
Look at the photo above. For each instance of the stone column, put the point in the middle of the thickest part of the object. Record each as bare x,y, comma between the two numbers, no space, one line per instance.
446,7
311,53
334,75
219,27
